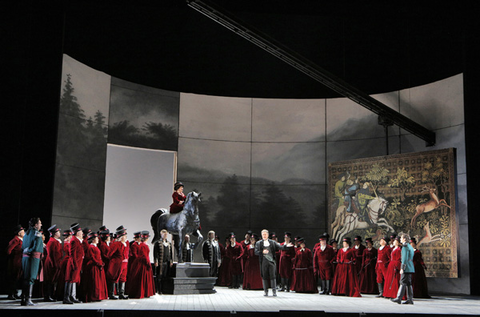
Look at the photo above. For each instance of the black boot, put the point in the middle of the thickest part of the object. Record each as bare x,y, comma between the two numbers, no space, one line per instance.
73,293
327,287
282,286
265,287
273,284
401,291
409,300
49,291
159,286
28,295
287,280
322,285
380,290
121,290
111,291
67,293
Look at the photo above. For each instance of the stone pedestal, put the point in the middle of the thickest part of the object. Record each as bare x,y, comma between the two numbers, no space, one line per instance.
193,278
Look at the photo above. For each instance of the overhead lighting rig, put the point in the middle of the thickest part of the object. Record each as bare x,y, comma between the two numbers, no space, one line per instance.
309,68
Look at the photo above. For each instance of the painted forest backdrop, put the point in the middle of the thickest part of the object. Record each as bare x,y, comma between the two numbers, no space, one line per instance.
259,163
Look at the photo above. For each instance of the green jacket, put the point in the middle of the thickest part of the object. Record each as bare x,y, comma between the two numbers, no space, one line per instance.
407,258
32,241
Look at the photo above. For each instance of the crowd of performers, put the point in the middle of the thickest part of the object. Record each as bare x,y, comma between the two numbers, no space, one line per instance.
349,270
92,266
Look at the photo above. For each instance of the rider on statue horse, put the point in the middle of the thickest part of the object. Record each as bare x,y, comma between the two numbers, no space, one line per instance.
178,198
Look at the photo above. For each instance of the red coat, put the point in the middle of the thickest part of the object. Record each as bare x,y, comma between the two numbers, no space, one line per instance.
322,262
63,268
176,206
419,279
75,260
359,256
392,278
252,279
224,276
345,281
285,264
94,282
53,263
15,254
368,278
132,255
383,259
233,253
140,283
118,266
303,279
104,251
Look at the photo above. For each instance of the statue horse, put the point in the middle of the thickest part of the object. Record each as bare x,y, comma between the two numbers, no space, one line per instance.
376,207
179,224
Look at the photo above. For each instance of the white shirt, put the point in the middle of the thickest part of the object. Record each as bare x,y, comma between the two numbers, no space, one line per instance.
266,243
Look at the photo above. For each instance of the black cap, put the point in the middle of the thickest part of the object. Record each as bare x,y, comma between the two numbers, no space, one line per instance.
369,240
75,227
137,234
288,234
178,185
18,228
358,238
145,234
91,236
53,229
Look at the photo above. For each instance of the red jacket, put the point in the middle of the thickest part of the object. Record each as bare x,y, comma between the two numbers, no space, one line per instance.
14,252
75,260
118,265
322,262
176,207
53,262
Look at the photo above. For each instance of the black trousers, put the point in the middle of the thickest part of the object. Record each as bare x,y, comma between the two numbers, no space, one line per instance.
268,270
406,279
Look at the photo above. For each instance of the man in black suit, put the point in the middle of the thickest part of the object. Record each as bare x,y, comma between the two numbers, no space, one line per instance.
265,249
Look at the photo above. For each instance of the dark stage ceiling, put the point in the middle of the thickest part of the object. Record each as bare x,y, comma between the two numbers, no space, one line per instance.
377,47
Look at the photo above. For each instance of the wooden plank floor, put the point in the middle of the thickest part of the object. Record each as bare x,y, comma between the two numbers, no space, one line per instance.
229,300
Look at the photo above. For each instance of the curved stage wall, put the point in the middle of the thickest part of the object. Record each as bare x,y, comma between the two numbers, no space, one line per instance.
259,163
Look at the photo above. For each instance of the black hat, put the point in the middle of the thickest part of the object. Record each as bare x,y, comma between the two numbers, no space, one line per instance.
332,241
53,229
288,234
119,228
91,236
120,233
178,185
369,240
323,237
67,232
393,236
413,240
249,232
105,232
325,234
386,238
137,234
232,235
102,228
301,240
75,227
358,238
145,234
86,230
273,235
255,236
397,238
18,228
347,240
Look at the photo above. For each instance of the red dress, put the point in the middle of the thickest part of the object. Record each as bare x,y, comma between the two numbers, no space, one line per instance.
383,259
95,284
303,279
176,206
285,265
132,255
419,279
54,260
224,275
233,253
252,279
392,278
345,281
322,262
140,283
15,254
75,261
368,278
118,265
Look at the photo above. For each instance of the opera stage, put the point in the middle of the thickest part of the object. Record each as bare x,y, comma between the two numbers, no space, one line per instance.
248,303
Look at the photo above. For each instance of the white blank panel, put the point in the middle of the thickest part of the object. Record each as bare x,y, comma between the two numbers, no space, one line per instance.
137,182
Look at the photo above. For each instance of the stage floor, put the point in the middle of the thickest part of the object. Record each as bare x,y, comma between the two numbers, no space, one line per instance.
232,301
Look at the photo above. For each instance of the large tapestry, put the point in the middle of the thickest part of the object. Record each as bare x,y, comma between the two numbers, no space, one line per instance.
412,193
